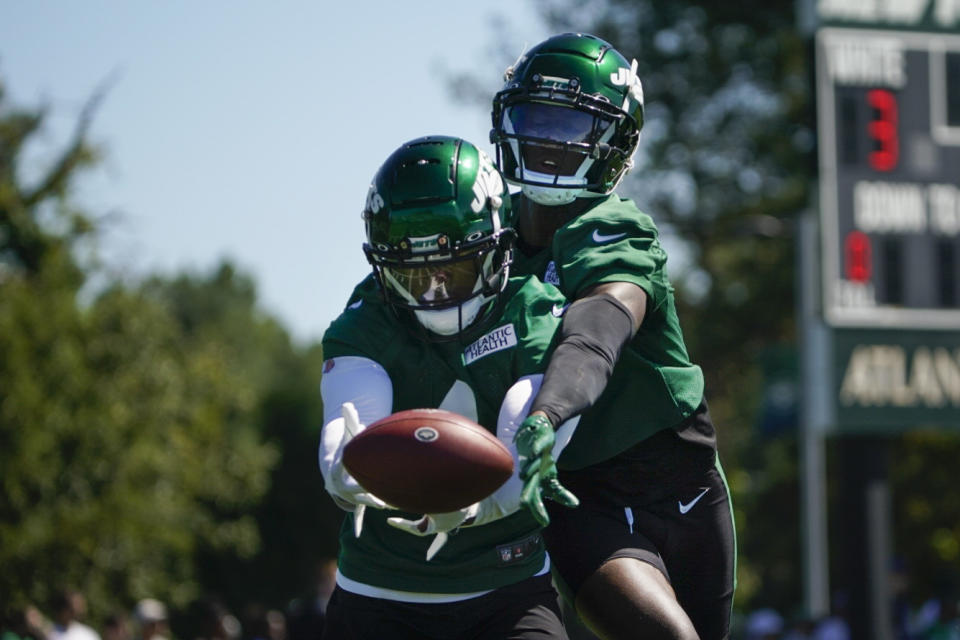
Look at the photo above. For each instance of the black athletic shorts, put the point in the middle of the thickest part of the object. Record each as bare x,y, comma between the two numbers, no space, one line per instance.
527,610
665,502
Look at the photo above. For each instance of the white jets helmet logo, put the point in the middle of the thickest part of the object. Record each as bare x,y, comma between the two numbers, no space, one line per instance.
488,186
374,200
628,78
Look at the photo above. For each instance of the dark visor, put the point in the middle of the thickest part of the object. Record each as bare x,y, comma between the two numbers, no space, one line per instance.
439,283
561,124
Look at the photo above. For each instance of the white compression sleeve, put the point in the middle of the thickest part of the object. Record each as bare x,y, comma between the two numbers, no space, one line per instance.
358,380
515,407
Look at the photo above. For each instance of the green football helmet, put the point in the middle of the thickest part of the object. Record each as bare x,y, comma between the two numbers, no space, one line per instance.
568,119
437,216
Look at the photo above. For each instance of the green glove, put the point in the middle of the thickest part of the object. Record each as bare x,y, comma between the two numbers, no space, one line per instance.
534,440
534,437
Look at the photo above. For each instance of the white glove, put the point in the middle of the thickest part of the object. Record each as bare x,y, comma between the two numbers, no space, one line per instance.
500,504
439,523
345,490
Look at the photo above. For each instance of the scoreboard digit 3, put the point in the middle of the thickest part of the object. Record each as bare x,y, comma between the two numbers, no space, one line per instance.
888,107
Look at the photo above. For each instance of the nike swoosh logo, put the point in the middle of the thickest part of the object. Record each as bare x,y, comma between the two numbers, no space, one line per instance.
686,507
557,310
355,305
603,239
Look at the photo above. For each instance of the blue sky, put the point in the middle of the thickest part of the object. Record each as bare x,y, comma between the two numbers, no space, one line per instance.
250,130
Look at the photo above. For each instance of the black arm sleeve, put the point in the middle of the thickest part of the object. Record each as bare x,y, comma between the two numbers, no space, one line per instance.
594,331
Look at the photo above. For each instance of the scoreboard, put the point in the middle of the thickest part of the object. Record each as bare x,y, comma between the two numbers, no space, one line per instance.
888,112
881,350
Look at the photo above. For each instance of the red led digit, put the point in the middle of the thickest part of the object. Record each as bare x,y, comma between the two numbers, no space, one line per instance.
883,130
857,253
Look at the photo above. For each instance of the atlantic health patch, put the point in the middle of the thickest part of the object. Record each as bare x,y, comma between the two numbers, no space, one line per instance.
499,339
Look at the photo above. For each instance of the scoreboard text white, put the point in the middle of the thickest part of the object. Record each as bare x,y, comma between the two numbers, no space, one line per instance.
888,108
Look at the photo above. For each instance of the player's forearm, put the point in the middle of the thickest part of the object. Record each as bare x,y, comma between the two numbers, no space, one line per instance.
594,331
367,387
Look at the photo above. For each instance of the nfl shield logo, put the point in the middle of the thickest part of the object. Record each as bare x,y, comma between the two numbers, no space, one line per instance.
550,275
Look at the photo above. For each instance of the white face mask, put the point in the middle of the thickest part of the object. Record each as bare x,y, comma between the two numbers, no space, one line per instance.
566,190
447,322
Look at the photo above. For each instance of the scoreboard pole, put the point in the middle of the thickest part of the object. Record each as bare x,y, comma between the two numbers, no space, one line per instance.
813,422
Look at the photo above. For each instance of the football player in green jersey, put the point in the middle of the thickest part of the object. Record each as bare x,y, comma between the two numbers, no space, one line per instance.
651,550
439,324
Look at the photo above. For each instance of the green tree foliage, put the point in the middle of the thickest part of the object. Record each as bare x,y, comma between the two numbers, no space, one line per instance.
151,433
122,452
296,521
926,512
27,211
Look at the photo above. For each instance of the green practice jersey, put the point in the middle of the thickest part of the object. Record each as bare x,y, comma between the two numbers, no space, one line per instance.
654,385
515,341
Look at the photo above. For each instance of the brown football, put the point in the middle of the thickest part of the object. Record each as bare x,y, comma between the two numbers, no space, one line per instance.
428,461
